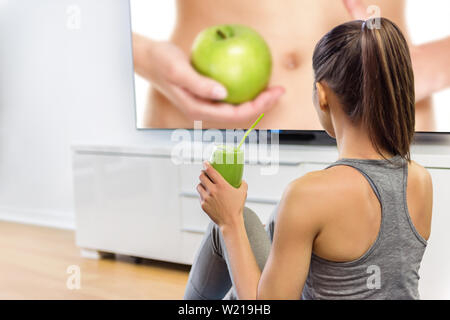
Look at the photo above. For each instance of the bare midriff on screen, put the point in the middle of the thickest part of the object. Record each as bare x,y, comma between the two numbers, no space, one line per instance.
291,28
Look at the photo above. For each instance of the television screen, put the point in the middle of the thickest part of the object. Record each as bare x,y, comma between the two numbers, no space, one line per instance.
226,62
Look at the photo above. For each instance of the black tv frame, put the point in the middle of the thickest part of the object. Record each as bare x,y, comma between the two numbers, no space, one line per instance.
320,137
315,137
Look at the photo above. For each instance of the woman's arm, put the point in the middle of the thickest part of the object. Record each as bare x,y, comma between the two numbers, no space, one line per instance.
430,63
244,269
224,204
430,60
298,223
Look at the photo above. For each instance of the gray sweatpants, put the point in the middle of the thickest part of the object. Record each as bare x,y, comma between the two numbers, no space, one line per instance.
209,278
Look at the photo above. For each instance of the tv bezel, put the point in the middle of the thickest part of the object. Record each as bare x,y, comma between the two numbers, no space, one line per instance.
318,137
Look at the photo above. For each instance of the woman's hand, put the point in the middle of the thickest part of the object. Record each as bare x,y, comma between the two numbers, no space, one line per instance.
169,71
222,202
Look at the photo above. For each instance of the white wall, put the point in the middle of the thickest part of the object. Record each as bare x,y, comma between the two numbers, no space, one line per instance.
59,87
34,163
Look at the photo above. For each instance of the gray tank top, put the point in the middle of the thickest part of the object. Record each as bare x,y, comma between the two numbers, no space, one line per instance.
390,268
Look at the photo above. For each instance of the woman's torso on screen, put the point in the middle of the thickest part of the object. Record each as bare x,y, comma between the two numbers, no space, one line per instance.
354,239
291,28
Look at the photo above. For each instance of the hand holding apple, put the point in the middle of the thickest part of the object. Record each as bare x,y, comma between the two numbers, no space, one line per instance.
237,57
169,71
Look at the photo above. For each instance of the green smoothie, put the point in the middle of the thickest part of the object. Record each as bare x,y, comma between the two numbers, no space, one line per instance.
229,162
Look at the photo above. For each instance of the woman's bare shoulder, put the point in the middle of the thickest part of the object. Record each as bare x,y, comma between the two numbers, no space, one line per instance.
319,197
419,173
328,181
302,206
419,195
420,183
325,190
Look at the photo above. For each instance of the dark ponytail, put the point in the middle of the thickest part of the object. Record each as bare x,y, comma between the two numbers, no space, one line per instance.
370,70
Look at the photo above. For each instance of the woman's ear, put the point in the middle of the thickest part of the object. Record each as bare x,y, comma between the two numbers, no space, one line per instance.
322,97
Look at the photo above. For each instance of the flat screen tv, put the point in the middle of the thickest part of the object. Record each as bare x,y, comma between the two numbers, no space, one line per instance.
174,55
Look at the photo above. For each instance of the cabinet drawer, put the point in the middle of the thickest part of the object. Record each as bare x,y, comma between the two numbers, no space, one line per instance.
261,183
193,219
271,186
264,182
189,174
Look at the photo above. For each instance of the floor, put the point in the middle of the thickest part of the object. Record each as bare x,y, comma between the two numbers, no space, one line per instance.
34,264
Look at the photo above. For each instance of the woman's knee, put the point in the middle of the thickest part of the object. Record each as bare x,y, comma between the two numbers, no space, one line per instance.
252,225
251,218
216,238
258,237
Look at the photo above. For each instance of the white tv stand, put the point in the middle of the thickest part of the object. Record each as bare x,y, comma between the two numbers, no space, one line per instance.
136,201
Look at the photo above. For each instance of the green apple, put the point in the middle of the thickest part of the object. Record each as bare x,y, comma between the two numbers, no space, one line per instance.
237,57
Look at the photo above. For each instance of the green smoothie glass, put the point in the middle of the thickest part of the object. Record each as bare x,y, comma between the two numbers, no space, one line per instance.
229,160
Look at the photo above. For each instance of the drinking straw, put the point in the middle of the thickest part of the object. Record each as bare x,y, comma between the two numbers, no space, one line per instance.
249,130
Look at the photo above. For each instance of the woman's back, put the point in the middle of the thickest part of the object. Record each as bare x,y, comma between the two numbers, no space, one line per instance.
374,237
